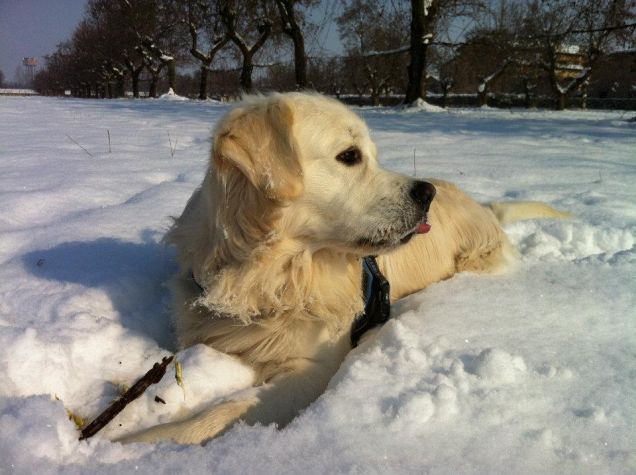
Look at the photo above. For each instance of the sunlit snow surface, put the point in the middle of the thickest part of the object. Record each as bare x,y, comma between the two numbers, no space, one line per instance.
529,372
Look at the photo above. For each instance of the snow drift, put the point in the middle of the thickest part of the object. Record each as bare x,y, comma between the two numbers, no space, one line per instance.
528,372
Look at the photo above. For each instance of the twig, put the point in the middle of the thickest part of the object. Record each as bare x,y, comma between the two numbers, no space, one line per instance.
75,142
109,149
600,178
151,377
172,149
414,167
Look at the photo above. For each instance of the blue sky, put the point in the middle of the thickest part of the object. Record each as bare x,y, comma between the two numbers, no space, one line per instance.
34,28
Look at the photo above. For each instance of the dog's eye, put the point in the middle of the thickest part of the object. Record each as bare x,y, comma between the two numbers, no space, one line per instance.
350,156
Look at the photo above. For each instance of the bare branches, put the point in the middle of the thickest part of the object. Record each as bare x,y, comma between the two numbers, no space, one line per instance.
254,21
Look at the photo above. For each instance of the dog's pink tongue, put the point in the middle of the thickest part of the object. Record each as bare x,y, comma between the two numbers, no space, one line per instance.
423,228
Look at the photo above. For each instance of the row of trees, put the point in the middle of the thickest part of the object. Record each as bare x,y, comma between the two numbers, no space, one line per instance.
128,38
391,47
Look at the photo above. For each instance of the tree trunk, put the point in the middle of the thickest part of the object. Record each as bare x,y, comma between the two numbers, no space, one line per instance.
120,92
561,101
422,18
152,91
482,95
246,73
203,82
135,83
446,87
300,61
526,92
375,98
172,75
291,29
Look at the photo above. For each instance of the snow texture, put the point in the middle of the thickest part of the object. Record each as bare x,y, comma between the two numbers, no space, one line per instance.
420,105
172,96
531,372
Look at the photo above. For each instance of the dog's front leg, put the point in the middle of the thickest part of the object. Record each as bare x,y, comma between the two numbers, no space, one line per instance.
296,383
197,429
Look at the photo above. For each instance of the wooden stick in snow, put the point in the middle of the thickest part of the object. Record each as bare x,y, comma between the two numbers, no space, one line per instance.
151,377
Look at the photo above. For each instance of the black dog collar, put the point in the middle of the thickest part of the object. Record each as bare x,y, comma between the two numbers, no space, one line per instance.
377,304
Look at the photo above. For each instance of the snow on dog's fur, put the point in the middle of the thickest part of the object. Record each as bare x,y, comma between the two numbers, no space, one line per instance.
270,250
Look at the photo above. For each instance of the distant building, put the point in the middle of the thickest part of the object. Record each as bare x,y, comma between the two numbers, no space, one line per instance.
570,62
612,76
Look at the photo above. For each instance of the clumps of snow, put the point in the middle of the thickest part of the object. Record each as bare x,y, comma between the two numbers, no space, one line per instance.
172,96
427,5
47,436
436,381
568,240
497,366
420,105
550,371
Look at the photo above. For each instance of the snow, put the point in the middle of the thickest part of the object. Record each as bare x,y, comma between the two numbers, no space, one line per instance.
427,4
17,92
172,96
401,49
569,49
420,105
529,372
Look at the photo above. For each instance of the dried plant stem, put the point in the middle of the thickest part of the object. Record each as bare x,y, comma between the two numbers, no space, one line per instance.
414,167
76,143
173,149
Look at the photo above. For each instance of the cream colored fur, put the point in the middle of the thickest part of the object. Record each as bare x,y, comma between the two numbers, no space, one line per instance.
275,235
507,213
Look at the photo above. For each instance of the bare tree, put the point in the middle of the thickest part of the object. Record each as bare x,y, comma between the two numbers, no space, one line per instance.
248,25
373,32
429,18
207,36
154,24
291,21
423,21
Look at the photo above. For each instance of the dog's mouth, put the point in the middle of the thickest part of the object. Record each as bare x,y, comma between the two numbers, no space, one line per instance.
422,227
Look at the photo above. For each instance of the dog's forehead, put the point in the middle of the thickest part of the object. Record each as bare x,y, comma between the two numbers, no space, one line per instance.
330,124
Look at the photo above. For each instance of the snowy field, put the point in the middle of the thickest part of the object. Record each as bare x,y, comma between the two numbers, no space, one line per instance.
533,372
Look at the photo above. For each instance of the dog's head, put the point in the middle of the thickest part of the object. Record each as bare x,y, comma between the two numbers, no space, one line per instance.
303,167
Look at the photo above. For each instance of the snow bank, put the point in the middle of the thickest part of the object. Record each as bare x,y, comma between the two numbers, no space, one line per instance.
528,372
420,105
172,96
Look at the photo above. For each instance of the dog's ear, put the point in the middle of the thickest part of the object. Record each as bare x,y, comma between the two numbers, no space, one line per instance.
257,139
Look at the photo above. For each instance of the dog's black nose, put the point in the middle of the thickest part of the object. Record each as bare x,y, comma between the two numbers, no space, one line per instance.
423,193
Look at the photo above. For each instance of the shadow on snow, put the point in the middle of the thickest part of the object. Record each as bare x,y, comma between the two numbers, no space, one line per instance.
132,274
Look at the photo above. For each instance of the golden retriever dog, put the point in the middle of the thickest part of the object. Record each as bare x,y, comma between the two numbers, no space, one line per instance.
270,250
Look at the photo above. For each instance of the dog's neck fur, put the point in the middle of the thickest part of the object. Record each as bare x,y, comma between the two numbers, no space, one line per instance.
250,272
283,279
